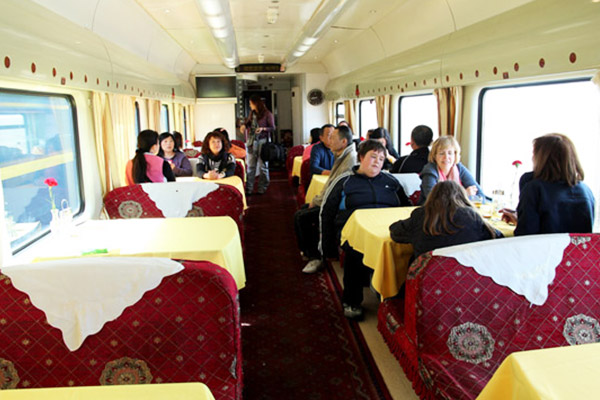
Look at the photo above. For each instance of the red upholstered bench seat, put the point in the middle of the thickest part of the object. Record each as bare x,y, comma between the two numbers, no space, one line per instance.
185,330
455,327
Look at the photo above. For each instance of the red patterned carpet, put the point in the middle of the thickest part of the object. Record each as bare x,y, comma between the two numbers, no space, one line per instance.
296,342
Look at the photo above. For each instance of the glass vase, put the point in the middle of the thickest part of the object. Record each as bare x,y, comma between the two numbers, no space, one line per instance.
55,223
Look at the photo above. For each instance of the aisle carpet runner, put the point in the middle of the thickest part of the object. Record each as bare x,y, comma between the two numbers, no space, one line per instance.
296,342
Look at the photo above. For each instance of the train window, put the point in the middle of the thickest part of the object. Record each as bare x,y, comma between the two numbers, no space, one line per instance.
511,117
339,112
164,118
413,111
367,116
37,142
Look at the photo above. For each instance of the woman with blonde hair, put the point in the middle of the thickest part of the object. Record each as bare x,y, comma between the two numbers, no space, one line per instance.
444,165
447,219
553,198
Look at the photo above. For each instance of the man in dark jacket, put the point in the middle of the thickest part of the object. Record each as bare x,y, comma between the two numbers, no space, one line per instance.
420,140
363,187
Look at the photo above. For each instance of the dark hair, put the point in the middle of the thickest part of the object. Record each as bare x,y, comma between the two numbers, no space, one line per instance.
555,159
345,132
206,145
261,109
145,140
441,206
382,133
223,132
162,137
315,135
369,145
343,122
178,140
327,126
422,135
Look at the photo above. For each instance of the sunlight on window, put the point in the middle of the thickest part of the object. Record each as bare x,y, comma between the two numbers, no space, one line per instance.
37,142
513,117
367,116
413,111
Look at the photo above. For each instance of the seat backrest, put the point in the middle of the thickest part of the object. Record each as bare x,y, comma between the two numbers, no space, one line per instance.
305,174
134,202
239,170
448,303
293,152
239,143
185,330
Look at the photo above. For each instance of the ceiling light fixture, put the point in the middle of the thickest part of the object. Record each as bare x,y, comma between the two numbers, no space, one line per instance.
261,58
272,14
216,15
316,27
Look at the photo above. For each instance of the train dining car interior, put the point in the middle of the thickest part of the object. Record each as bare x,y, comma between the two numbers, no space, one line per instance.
299,199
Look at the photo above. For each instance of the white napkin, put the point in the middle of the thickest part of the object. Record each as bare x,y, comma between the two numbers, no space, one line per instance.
525,264
80,295
409,182
175,199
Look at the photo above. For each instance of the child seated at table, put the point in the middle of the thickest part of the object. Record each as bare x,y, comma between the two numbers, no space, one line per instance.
215,162
146,166
448,218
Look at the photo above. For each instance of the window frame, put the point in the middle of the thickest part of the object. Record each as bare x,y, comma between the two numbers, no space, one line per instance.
77,158
484,90
337,114
165,109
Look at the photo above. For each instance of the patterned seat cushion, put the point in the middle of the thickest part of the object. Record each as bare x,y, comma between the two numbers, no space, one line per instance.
458,326
133,202
185,330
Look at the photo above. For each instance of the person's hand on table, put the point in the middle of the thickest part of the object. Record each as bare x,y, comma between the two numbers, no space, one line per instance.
326,172
509,216
471,190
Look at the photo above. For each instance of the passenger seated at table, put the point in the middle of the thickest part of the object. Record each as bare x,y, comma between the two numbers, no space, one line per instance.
178,140
215,162
365,186
306,220
444,165
420,140
321,157
146,166
448,218
237,151
177,160
383,136
315,134
553,198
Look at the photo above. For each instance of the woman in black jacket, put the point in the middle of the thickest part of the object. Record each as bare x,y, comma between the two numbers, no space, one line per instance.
216,162
446,219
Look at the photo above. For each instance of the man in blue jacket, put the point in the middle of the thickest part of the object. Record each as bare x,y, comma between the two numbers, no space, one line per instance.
321,157
365,186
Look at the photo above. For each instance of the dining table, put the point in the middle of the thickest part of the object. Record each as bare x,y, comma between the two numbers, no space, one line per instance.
367,231
316,185
234,181
297,166
214,239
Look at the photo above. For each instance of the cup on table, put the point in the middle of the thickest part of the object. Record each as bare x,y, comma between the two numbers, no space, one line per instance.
476,200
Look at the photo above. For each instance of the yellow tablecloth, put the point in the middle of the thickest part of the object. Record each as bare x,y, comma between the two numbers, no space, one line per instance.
171,391
559,373
297,166
316,185
234,181
367,231
214,239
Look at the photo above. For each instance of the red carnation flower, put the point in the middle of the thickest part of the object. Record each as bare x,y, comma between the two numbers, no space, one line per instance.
407,144
517,163
51,182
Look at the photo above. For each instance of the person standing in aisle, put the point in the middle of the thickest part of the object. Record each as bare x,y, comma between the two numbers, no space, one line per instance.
257,128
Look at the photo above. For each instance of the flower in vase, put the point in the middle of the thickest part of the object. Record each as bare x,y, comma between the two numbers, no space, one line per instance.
407,144
517,163
51,182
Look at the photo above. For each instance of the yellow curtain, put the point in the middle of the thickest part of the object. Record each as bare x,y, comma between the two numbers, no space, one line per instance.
102,130
177,117
382,105
350,114
153,114
114,131
190,123
331,109
450,105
